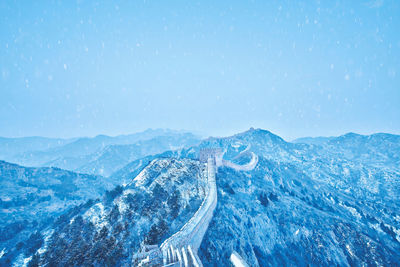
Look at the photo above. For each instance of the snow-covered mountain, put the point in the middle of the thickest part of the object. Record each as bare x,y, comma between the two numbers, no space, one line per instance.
31,198
381,150
330,203
107,231
334,202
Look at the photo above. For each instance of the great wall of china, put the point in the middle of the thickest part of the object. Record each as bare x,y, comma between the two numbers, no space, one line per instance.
181,248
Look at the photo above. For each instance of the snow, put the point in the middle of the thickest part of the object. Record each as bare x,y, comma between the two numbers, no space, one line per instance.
47,234
26,260
376,227
21,261
122,207
237,261
2,252
352,210
397,231
140,178
128,191
346,171
349,250
96,215
247,167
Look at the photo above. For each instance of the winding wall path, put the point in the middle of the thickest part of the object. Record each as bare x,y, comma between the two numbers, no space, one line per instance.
181,248
191,234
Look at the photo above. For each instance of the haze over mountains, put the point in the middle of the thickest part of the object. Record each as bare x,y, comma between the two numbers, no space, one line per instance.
98,155
319,202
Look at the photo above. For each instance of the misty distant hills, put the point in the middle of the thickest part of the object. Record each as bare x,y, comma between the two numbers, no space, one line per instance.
98,155
10,147
114,157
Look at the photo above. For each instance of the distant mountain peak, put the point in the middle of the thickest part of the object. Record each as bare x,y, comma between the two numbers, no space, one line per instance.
352,135
102,136
259,133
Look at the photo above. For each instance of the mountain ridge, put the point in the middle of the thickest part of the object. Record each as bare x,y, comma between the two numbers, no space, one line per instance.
299,204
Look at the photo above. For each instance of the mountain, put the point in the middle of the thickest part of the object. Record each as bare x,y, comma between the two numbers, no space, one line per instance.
13,146
334,202
313,140
277,215
380,150
113,157
102,154
32,197
107,232
307,205
131,170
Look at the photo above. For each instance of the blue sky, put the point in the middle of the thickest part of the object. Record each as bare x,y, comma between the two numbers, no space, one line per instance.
296,68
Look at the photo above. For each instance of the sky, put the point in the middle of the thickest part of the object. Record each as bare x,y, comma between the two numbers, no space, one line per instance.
296,68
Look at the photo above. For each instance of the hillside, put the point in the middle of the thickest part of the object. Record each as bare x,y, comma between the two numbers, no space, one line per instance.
31,198
147,210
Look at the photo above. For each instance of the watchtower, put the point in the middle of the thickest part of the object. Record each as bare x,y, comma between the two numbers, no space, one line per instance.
206,153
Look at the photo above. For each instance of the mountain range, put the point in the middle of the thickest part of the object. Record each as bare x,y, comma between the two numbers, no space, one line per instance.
310,202
100,155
